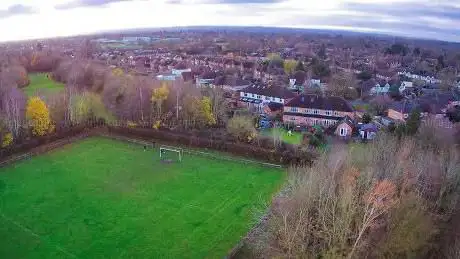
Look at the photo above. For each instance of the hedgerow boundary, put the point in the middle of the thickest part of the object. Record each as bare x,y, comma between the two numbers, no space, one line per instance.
228,149
283,155
189,151
38,148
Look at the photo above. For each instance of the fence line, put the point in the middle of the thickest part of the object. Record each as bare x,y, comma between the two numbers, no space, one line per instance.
194,152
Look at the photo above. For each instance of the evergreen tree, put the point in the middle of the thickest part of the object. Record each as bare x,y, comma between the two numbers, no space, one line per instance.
413,122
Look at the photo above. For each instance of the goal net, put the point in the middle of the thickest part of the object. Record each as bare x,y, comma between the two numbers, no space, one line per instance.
170,154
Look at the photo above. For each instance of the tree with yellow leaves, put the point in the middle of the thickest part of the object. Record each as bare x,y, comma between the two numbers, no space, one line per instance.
289,66
34,60
206,111
39,117
118,72
7,140
159,95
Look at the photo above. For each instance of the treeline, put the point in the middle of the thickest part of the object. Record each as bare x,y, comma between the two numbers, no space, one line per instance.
94,91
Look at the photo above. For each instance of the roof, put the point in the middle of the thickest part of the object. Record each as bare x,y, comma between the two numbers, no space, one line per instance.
209,75
180,66
436,101
347,120
235,81
187,76
274,106
369,127
272,91
312,101
404,106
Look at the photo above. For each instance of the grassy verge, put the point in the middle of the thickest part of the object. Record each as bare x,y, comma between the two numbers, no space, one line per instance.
295,138
41,84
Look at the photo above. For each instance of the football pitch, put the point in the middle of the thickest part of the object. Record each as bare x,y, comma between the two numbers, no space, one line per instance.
102,198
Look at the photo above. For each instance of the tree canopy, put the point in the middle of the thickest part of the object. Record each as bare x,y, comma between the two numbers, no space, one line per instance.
39,117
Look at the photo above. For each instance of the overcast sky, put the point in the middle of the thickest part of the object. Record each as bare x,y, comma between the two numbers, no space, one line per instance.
26,19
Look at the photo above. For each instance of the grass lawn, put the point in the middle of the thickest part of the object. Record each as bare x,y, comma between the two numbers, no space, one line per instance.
295,138
101,198
40,83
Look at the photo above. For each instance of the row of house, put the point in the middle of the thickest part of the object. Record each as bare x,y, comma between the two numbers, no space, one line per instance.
427,79
300,110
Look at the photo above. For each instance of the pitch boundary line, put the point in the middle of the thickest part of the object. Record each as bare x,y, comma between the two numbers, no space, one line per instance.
28,230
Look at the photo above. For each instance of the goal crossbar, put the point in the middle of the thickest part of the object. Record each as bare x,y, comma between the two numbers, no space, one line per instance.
163,149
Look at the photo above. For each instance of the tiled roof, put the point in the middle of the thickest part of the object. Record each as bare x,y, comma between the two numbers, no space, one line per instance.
404,106
312,101
272,91
275,106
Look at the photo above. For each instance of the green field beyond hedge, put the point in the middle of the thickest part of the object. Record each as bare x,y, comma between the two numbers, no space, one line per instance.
101,198
41,84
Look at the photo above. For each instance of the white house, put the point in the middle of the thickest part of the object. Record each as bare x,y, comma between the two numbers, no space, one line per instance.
378,89
405,85
178,72
259,96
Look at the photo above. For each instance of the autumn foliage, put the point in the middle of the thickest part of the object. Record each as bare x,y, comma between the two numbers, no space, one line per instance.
386,199
39,117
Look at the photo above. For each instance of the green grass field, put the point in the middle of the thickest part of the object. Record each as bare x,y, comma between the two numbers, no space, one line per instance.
295,138
41,84
101,198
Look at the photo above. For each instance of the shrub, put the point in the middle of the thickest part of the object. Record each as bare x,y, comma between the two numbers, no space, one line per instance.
242,127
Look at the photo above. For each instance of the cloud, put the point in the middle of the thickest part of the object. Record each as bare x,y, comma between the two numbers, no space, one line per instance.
228,2
87,3
16,9
435,19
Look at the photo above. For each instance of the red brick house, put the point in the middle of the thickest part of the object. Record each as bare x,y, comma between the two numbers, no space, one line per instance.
309,110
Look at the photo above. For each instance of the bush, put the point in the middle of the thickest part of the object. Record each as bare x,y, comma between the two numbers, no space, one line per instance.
7,140
242,127
27,145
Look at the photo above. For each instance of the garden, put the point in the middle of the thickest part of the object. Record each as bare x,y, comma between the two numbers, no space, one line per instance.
102,198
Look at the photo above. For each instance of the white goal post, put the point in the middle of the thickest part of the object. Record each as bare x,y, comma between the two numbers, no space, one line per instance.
164,149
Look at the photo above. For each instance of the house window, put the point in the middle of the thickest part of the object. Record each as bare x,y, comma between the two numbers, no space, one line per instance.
328,113
336,113
316,111
246,94
294,109
343,132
